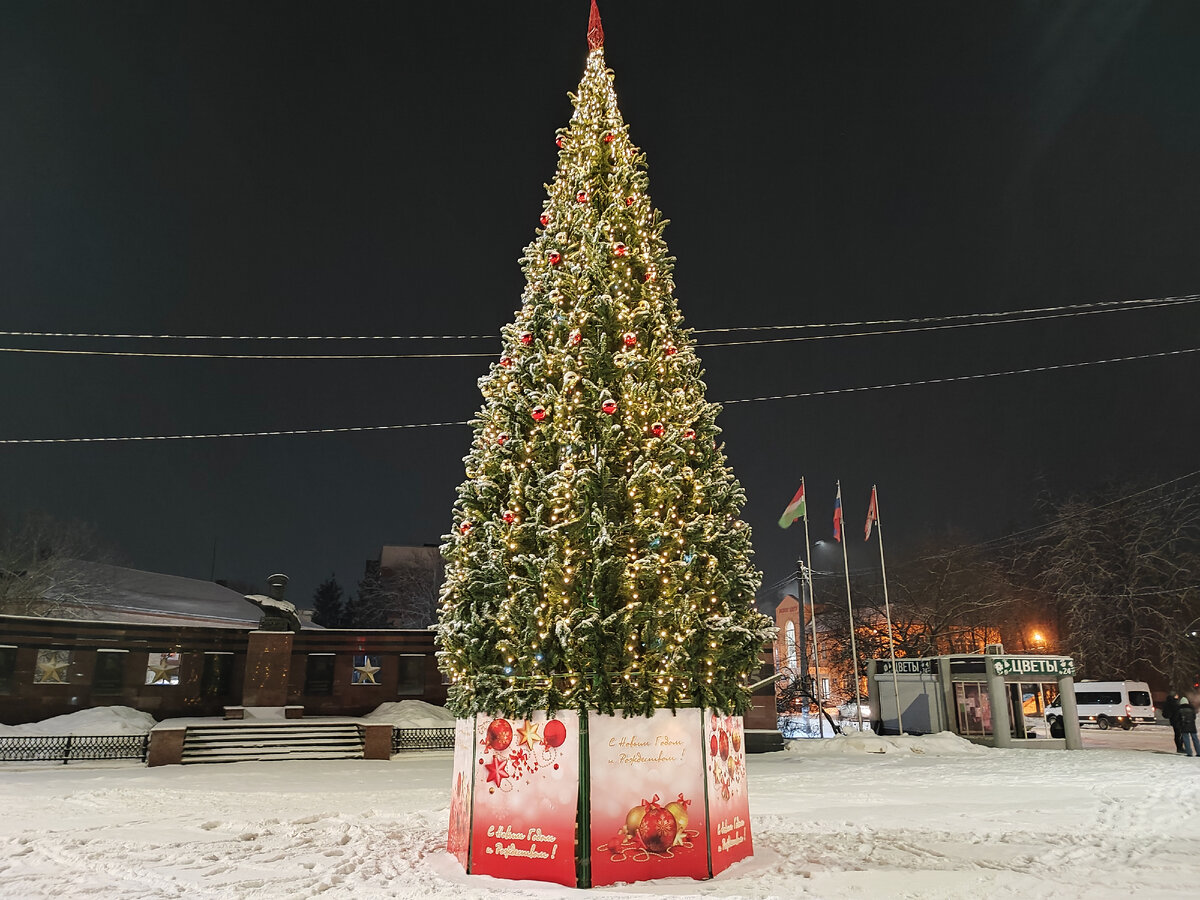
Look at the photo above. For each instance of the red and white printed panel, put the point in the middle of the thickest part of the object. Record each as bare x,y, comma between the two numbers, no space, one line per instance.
728,799
459,841
647,797
526,797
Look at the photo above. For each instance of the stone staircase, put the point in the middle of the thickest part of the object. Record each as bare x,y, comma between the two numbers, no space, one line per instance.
242,741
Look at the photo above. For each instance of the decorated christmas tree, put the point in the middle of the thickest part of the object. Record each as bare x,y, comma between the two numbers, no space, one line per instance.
597,559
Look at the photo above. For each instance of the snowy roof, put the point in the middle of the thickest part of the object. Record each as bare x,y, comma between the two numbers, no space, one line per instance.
118,594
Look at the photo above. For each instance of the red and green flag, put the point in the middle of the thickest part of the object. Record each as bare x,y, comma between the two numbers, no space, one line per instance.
795,509
872,513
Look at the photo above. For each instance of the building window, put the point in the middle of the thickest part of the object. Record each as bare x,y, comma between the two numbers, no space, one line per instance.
110,672
218,674
790,647
366,669
162,668
973,707
52,667
411,681
318,674
8,669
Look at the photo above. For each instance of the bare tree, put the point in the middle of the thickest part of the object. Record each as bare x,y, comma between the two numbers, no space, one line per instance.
949,600
1121,575
40,570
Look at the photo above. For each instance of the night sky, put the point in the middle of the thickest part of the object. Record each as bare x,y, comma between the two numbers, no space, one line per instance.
376,169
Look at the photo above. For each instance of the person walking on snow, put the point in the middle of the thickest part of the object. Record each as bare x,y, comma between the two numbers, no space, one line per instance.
1186,718
1169,708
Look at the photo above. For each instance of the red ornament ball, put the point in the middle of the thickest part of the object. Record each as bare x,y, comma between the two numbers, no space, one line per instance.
559,141
629,201
608,137
526,338
555,257
582,196
538,413
619,249
723,744
657,429
629,338
508,517
499,735
544,218
502,438
647,276
672,349
712,745
657,829
464,527
609,406
575,337
554,734
690,434
506,361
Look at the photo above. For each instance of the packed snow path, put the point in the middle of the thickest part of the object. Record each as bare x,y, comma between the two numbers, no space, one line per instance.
851,817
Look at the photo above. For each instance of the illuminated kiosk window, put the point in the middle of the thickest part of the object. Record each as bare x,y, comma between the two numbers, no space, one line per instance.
973,708
366,669
411,677
52,667
162,668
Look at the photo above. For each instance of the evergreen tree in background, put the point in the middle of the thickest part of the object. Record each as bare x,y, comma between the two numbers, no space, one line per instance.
373,606
598,560
328,608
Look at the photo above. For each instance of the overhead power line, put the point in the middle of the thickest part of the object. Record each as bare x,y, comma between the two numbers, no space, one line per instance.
795,396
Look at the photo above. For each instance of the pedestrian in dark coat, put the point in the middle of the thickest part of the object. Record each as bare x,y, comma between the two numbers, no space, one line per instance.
1169,708
1186,717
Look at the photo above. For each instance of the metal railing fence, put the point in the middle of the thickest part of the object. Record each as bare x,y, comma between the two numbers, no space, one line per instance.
74,747
422,739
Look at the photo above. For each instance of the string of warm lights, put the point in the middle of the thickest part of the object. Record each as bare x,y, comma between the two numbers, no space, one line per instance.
981,318
1151,494
957,378
273,356
794,396
1180,299
916,329
391,356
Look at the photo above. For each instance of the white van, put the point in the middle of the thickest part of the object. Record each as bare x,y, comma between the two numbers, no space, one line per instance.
1108,703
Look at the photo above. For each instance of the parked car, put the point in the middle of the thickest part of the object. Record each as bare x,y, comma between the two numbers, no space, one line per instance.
1108,703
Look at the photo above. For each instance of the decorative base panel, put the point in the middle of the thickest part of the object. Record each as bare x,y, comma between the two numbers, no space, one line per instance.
590,800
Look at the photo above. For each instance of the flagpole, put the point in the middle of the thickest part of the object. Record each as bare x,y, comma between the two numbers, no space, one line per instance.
812,605
888,612
850,609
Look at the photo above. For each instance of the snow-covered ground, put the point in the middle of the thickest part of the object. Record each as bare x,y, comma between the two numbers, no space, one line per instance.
848,817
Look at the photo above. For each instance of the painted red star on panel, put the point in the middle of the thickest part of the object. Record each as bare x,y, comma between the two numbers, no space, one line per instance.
497,770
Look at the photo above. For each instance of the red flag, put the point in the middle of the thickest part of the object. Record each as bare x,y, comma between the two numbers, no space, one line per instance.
837,516
872,513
